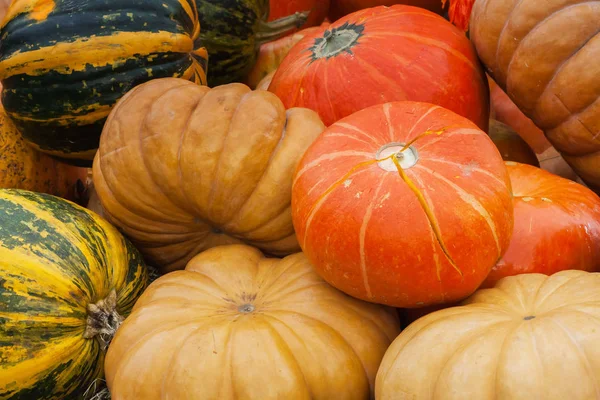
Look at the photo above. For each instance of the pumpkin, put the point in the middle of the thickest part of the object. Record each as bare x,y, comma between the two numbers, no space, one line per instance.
557,225
67,279
234,30
263,328
25,168
531,337
340,8
504,110
552,161
405,204
545,56
4,4
266,81
207,166
282,8
272,54
380,55
511,146
63,66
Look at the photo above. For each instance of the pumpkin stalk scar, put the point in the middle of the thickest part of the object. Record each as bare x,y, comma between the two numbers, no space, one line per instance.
422,135
103,320
430,217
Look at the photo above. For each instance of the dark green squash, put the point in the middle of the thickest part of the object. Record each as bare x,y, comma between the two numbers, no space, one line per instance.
232,32
65,63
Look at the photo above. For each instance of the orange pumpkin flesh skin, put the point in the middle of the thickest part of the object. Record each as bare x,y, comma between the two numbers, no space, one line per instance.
557,226
531,337
206,167
511,146
380,55
405,204
236,325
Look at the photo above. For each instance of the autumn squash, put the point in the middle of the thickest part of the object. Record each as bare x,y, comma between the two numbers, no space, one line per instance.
545,56
511,146
63,65
266,81
557,225
234,30
531,337
272,54
207,166
340,8
380,55
4,4
263,329
552,161
22,167
67,279
405,204
282,8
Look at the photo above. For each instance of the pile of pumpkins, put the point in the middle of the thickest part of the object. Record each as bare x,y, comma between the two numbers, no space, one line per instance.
312,199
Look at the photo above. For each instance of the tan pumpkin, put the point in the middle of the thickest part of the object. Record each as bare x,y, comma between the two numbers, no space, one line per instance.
182,168
236,325
530,337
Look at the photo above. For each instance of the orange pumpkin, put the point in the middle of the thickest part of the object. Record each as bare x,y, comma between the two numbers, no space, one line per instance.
340,8
182,168
405,204
236,325
557,225
511,146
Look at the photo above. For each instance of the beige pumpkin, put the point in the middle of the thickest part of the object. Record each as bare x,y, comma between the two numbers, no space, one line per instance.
532,337
236,325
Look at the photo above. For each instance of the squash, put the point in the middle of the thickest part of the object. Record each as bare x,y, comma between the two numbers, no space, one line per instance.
266,81
64,65
545,56
207,166
282,8
557,226
262,329
341,8
552,161
511,146
67,279
25,168
234,30
380,55
405,204
531,337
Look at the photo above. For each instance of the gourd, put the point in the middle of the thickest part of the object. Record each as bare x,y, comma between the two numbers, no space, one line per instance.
282,8
64,64
511,146
340,8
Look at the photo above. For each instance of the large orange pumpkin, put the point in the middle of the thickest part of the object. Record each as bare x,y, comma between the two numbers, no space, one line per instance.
340,8
530,337
557,225
380,55
236,325
405,204
545,56
182,168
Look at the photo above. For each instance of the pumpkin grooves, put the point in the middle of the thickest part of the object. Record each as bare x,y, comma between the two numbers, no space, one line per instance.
270,31
103,320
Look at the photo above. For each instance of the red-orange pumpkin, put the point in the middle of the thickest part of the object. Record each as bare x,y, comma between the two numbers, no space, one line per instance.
282,8
380,55
557,226
340,8
406,204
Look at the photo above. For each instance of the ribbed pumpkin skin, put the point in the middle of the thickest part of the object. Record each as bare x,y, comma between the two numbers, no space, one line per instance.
64,64
545,56
55,259
236,325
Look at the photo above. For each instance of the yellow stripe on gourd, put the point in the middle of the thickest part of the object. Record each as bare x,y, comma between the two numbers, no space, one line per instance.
100,112
97,51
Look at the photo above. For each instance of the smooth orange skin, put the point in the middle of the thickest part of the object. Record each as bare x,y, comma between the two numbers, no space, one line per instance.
405,53
282,8
365,231
340,8
557,226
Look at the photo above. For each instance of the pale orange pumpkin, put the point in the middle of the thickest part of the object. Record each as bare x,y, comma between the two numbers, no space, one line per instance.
236,325
182,168
530,337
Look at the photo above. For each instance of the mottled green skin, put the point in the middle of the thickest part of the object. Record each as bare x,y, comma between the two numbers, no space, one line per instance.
50,97
53,311
228,31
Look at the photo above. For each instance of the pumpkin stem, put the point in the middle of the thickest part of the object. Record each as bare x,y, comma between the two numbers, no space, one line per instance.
269,31
103,320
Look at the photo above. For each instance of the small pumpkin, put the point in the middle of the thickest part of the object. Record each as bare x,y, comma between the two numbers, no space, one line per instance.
557,225
64,64
263,329
67,279
530,337
545,56
511,146
341,8
282,8
405,204
25,168
234,30
207,166
380,55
